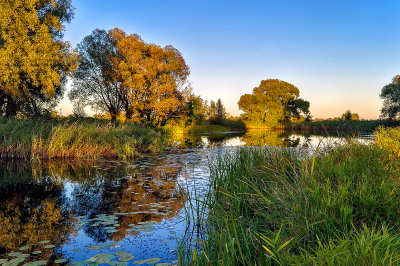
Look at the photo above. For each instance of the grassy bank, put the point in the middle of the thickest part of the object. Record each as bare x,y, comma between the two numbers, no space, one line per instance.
342,126
87,138
338,207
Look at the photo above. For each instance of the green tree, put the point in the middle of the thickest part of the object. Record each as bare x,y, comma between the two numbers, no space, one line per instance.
34,59
95,82
271,102
220,112
298,108
348,115
391,98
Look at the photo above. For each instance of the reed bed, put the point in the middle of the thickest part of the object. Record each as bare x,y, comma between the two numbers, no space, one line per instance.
339,206
47,139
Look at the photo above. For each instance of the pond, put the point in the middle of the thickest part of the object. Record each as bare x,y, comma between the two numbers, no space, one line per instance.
112,212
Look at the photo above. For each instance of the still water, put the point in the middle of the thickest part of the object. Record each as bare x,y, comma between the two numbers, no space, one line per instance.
112,212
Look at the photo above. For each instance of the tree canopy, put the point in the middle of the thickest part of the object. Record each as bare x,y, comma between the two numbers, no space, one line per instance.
121,72
348,115
271,102
154,77
34,58
391,98
95,82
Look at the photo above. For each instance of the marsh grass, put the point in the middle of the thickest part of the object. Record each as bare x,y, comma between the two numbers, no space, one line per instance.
340,126
46,139
339,206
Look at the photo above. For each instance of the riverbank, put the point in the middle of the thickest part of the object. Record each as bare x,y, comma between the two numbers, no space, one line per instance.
84,138
340,126
271,206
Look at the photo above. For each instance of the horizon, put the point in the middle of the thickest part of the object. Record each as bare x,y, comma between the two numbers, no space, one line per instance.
338,54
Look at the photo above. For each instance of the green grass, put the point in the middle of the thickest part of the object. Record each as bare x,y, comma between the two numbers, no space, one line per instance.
352,126
278,207
87,138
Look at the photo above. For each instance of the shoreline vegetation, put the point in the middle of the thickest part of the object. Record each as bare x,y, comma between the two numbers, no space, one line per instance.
339,206
75,138
93,138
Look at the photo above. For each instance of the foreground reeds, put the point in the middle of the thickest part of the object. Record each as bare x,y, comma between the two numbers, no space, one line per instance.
278,207
90,138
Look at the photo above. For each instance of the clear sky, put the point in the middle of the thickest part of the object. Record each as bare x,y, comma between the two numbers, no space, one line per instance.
338,53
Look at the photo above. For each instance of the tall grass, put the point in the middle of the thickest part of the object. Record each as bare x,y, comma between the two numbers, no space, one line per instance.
277,207
46,139
342,126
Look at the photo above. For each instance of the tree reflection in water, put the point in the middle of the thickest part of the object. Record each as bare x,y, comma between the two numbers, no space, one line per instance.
49,201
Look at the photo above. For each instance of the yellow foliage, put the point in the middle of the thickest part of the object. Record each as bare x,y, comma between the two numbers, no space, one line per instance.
29,51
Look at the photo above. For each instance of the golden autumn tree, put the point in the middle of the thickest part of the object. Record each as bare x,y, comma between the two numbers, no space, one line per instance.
34,60
153,77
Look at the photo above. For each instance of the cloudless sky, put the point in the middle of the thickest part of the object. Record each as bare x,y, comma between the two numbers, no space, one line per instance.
338,53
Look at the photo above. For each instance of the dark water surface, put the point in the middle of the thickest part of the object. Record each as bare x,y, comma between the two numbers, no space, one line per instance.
112,212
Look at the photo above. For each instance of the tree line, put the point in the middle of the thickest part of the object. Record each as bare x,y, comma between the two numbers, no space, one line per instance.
120,74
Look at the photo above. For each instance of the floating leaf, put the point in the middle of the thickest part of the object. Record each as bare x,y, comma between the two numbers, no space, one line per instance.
23,248
123,253
126,258
44,242
60,261
77,250
15,254
49,246
95,247
36,252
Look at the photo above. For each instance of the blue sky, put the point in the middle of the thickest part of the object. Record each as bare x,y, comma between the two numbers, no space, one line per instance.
338,53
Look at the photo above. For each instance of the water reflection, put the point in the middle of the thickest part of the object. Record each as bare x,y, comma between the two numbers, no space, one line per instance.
250,138
44,208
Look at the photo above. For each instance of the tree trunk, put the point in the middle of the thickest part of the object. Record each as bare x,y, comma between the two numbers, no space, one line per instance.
113,116
128,113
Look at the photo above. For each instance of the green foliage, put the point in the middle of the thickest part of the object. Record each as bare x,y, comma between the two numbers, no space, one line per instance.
348,115
389,140
391,95
94,81
276,206
88,138
271,102
335,126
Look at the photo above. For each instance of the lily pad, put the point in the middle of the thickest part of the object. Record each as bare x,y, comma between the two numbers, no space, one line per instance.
95,247
123,253
36,252
36,263
60,261
126,258
23,248
49,246
147,261
15,254
44,242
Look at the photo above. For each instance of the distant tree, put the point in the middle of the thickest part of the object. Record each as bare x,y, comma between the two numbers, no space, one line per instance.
35,61
391,95
348,115
196,109
212,110
95,82
220,111
298,108
271,102
154,77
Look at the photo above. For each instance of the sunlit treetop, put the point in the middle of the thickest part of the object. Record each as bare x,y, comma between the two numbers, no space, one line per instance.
32,53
